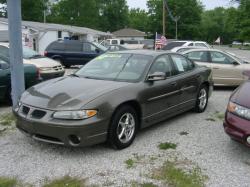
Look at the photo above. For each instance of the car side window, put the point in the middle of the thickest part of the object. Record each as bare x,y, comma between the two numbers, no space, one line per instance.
220,58
162,64
4,51
114,42
201,56
200,45
87,47
77,47
191,44
182,64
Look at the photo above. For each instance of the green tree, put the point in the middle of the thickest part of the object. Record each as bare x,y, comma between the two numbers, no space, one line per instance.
32,10
190,17
113,14
79,13
244,15
138,19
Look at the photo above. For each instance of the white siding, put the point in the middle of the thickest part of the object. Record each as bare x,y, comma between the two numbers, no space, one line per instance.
47,38
3,26
131,38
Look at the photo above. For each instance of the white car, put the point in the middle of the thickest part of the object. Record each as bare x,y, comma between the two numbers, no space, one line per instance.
185,48
183,43
47,67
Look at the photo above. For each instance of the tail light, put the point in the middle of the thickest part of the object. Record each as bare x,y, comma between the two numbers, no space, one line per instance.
45,53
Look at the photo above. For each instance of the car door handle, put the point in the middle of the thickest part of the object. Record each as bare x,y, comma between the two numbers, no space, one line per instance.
173,83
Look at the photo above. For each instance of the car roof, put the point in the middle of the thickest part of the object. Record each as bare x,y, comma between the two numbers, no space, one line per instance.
202,49
145,52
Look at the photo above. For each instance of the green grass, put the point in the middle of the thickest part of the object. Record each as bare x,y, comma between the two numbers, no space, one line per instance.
167,145
66,182
177,177
7,182
219,115
7,119
130,163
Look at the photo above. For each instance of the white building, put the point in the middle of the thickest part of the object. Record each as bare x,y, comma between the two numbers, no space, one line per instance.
129,34
38,35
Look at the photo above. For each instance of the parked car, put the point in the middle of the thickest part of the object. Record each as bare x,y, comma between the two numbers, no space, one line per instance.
237,118
181,43
112,97
227,69
116,48
48,68
32,77
246,43
182,49
236,43
74,52
129,44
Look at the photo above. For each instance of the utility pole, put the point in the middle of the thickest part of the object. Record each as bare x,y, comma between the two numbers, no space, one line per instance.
16,50
163,18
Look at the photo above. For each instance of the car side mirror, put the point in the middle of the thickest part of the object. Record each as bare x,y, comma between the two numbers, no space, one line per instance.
157,76
236,63
4,65
97,50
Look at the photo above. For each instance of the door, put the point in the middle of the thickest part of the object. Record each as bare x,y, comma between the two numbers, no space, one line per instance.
162,96
189,81
4,78
73,53
226,71
90,51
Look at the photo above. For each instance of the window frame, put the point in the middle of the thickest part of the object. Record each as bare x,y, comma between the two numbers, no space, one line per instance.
208,56
211,59
176,68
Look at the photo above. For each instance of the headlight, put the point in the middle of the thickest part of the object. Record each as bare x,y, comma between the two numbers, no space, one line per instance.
75,115
239,110
17,107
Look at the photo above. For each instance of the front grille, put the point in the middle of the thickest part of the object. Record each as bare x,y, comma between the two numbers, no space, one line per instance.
25,110
58,68
47,139
38,114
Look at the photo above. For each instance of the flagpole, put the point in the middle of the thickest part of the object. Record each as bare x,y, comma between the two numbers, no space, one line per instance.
163,18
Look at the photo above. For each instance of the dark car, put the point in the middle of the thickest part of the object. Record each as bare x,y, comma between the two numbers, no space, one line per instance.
32,77
112,97
237,119
74,52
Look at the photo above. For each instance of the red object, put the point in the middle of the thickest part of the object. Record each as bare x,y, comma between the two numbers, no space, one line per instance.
45,53
236,126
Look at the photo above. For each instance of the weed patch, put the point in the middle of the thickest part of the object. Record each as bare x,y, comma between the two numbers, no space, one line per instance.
66,181
167,145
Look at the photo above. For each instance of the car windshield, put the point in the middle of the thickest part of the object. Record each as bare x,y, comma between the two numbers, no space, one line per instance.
117,67
100,46
29,53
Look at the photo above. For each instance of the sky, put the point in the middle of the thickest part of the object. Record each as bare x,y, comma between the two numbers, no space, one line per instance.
209,4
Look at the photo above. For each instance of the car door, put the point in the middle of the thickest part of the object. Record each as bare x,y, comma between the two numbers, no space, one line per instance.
162,96
225,70
189,80
90,51
4,78
73,53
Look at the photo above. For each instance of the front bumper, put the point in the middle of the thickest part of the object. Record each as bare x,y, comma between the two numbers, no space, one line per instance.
75,133
237,128
47,76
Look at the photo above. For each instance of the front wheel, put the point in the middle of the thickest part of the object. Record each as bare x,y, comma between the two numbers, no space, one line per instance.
202,99
123,127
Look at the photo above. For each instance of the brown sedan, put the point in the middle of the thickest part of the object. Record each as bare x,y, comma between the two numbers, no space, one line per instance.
227,68
112,97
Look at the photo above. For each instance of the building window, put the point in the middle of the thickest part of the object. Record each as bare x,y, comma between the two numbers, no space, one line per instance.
59,34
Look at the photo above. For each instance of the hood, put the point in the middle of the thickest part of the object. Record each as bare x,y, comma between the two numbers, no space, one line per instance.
241,95
68,93
42,62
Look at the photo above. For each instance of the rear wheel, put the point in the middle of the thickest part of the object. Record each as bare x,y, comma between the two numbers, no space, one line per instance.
123,127
202,99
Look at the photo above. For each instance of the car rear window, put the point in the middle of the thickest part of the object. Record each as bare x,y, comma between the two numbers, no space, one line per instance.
58,46
172,45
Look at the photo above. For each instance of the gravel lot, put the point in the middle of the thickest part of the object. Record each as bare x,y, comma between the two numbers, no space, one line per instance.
225,162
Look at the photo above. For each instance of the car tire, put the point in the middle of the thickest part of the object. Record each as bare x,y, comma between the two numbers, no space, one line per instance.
202,99
123,127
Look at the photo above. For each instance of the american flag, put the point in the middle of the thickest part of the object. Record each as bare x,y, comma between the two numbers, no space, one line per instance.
160,41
